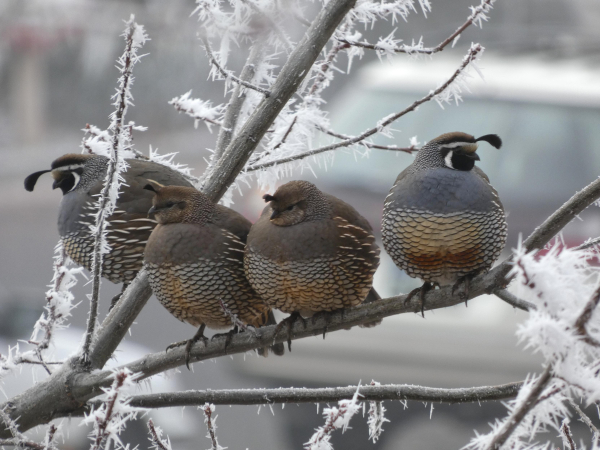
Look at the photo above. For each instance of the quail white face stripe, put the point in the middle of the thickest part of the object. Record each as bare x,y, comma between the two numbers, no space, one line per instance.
448,160
77,177
70,168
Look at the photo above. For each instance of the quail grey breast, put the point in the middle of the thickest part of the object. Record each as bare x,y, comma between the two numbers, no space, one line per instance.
80,178
194,259
443,222
310,252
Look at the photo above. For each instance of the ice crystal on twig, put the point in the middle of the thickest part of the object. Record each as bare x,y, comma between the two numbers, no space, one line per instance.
110,419
158,443
210,422
564,327
335,418
376,417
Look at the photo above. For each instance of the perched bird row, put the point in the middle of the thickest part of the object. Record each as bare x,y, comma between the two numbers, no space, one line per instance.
308,252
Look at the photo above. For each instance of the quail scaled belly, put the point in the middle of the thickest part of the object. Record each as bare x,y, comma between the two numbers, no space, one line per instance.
310,252
194,260
443,222
81,177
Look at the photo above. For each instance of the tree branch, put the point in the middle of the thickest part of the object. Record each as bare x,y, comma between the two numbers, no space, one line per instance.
292,74
229,75
484,7
473,52
54,397
513,300
534,396
325,395
238,97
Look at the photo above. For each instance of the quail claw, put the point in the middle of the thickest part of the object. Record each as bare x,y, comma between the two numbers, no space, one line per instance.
189,342
427,286
289,322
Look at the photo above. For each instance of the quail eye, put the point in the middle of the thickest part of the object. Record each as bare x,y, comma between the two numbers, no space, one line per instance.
289,208
170,204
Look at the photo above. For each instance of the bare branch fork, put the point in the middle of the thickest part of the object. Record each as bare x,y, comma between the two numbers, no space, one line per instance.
476,13
474,51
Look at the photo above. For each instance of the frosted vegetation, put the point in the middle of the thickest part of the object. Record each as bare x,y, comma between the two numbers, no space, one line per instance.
561,286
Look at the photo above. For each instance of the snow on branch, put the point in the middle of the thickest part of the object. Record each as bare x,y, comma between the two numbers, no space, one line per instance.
389,45
447,91
335,418
110,419
565,328
135,37
227,75
210,422
199,109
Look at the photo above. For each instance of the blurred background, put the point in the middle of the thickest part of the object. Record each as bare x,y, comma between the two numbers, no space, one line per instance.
541,95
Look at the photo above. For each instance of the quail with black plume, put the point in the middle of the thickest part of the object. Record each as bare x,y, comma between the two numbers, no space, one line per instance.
194,260
80,177
310,252
443,222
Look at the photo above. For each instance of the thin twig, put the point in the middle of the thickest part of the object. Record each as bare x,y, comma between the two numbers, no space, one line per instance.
591,243
534,396
411,50
155,437
208,420
128,60
566,431
22,443
227,74
49,439
324,395
585,419
238,97
367,144
473,52
513,300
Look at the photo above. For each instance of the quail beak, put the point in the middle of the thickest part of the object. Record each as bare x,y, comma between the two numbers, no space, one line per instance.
57,183
472,155
151,212
274,214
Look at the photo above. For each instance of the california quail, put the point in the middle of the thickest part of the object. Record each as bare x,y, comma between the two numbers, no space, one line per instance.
310,252
81,177
442,221
194,259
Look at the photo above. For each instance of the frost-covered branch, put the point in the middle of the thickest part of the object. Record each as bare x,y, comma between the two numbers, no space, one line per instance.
111,417
567,436
389,45
375,393
335,418
227,74
211,426
59,303
436,94
199,109
236,101
585,419
156,437
555,328
135,37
